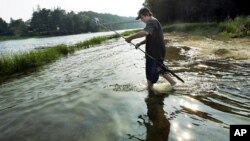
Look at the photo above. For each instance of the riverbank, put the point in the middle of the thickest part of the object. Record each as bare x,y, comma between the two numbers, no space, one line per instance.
206,48
229,39
29,61
5,38
230,28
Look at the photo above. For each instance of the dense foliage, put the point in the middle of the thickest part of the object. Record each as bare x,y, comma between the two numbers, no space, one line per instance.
169,11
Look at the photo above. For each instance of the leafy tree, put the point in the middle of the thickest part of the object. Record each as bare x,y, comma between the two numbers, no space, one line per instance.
196,10
3,27
56,21
40,21
18,27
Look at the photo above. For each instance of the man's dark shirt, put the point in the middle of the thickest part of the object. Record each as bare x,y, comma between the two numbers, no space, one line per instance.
155,46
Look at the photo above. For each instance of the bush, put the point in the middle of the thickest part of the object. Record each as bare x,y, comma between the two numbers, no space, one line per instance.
233,27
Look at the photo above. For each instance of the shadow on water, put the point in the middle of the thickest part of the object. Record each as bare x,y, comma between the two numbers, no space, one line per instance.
156,124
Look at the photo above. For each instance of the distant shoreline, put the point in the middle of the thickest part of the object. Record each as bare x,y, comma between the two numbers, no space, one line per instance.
8,38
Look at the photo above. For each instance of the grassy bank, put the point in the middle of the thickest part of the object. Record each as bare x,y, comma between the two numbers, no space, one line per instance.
4,38
228,28
12,37
19,63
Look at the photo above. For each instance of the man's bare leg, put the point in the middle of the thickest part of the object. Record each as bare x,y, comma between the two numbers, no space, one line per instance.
150,85
169,79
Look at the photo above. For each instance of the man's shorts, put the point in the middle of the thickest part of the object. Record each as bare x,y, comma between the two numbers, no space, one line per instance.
152,70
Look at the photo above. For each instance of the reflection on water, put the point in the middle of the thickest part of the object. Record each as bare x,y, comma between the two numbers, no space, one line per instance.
158,126
99,94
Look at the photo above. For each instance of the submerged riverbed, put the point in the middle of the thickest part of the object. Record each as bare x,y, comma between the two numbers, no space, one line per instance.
99,94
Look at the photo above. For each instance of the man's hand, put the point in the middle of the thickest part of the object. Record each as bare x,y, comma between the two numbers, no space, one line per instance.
129,39
137,45
136,35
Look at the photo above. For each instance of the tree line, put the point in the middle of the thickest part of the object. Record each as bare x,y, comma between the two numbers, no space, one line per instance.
169,11
59,22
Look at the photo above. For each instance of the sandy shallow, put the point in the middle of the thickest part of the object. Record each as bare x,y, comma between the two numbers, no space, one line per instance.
212,48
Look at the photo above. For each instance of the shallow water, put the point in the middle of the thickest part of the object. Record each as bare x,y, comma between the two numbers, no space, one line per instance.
99,94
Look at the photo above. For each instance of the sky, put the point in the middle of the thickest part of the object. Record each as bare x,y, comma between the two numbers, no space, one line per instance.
23,9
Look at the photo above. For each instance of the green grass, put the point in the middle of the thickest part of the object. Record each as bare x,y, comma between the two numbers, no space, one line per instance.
227,28
233,27
21,62
11,37
28,60
191,27
89,43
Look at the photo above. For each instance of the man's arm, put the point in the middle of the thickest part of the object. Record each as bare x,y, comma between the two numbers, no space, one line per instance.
137,35
143,42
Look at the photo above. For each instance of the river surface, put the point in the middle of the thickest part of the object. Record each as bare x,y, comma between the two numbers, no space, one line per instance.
14,46
99,94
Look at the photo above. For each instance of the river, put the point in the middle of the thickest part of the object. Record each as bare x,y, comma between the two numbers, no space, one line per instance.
99,94
22,45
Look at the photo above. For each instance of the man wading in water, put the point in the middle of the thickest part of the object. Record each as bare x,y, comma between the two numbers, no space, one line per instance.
155,47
